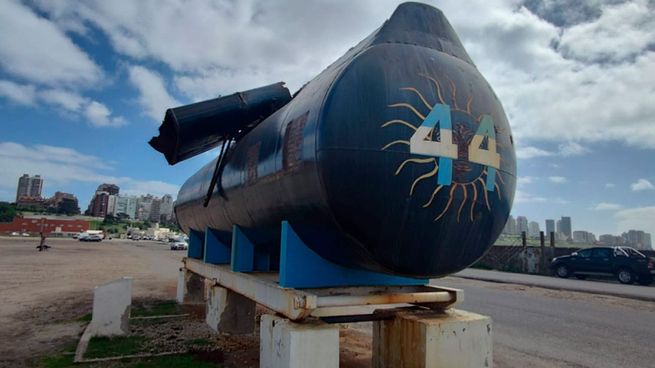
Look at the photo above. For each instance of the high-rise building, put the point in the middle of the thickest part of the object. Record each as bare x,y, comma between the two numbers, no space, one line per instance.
29,186
100,205
533,229
144,207
581,236
566,227
126,206
112,189
155,210
550,226
522,224
166,207
64,203
638,239
609,239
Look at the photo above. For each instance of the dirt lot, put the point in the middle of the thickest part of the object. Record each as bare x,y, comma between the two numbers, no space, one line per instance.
43,293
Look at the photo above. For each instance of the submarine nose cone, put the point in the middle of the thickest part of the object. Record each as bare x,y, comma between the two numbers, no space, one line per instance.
415,150
422,25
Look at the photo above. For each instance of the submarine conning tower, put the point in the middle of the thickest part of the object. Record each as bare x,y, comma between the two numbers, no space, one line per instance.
397,158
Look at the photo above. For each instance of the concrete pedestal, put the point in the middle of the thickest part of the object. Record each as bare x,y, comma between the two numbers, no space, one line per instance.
190,288
111,308
292,345
229,312
453,338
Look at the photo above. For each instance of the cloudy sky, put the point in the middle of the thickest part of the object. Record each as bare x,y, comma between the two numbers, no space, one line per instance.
84,85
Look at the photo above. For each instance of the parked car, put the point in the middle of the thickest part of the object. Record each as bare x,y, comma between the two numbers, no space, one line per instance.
15,234
626,264
179,246
91,238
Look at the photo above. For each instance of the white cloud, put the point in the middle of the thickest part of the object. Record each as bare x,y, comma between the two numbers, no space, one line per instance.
17,93
531,152
572,149
588,82
641,184
62,165
623,28
34,49
523,197
64,99
153,95
609,185
605,206
638,218
557,179
522,180
99,115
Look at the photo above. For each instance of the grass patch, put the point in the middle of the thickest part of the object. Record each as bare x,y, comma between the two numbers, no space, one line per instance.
159,309
173,361
61,360
85,318
102,347
57,361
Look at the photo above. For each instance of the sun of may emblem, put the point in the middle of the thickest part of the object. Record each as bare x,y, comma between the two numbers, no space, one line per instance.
457,148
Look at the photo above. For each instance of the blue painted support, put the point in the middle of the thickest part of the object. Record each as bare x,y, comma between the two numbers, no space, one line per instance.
196,244
245,257
301,267
216,251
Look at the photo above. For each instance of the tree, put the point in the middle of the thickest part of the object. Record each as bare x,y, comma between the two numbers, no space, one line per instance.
7,212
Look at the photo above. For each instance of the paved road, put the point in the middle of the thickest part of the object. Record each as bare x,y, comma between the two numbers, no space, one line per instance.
589,286
535,327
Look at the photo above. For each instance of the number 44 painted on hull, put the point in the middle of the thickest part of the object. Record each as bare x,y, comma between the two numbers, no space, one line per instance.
421,144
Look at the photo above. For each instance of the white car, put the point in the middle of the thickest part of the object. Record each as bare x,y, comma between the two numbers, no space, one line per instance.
15,234
179,246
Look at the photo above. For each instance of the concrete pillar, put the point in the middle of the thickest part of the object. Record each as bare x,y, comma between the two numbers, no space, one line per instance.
453,338
294,345
190,288
111,308
181,286
229,312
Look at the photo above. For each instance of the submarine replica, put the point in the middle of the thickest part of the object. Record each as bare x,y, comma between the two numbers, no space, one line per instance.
397,158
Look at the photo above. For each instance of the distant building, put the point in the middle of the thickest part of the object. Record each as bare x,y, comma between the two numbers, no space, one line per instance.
612,240
100,203
63,203
112,189
125,206
533,229
60,226
550,227
522,224
166,207
155,210
144,207
29,186
638,239
581,236
566,227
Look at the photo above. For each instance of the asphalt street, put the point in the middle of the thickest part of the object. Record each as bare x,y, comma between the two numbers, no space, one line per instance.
536,327
605,287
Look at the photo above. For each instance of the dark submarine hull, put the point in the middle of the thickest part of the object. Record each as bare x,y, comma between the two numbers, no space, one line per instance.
338,160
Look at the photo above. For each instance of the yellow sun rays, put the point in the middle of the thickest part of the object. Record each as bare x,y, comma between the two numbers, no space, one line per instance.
454,186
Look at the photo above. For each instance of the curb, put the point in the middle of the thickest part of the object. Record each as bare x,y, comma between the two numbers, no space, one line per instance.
576,289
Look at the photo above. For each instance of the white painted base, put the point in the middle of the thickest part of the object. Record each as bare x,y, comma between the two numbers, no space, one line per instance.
453,338
293,345
111,308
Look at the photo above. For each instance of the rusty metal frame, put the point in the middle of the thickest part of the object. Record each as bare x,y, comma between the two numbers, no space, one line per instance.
298,304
